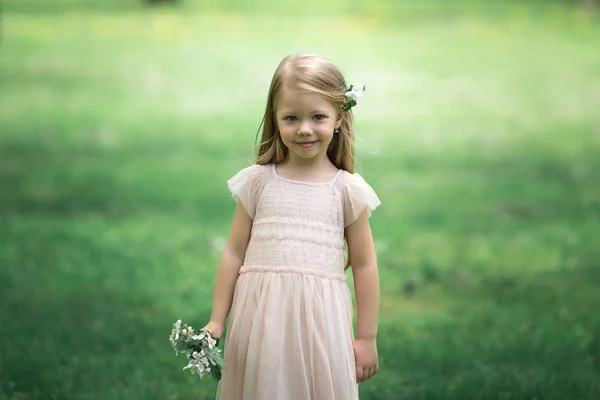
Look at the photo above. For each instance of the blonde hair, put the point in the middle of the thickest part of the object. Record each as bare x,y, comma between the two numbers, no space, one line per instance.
315,74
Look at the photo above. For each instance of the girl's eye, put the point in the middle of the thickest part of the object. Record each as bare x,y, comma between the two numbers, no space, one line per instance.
290,118
319,117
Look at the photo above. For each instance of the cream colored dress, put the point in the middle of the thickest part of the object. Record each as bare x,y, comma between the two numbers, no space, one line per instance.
290,330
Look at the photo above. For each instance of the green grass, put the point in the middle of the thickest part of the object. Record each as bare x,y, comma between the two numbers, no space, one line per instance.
480,133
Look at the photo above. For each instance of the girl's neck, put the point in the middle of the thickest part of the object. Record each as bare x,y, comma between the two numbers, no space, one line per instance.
308,165
307,169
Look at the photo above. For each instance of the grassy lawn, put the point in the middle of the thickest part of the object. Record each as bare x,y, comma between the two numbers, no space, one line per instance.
480,131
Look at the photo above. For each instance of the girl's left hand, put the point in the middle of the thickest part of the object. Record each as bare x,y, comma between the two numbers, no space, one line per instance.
215,329
365,358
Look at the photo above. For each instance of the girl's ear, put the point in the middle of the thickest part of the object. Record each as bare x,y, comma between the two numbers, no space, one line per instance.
338,122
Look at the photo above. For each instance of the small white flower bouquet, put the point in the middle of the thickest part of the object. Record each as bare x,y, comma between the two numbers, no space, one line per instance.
200,348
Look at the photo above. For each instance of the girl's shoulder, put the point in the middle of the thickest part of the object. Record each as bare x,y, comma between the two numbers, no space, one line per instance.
357,195
247,184
256,168
253,172
350,181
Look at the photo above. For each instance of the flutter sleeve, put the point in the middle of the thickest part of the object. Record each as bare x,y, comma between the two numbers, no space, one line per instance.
246,186
358,195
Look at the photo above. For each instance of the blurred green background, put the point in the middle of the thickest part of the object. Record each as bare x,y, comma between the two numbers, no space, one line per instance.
121,121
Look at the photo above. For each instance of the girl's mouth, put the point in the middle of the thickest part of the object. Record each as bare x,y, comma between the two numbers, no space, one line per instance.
306,145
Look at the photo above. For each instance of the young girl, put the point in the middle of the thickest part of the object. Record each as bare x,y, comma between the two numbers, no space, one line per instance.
290,333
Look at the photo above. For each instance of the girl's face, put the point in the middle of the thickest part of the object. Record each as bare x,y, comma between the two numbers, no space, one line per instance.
306,122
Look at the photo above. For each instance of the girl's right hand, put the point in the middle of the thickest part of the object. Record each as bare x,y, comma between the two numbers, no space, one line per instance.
215,329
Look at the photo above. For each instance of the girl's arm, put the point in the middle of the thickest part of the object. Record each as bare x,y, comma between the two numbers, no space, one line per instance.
362,256
228,271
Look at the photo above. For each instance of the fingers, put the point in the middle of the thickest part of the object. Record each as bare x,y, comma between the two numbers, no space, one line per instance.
364,373
359,368
359,373
372,371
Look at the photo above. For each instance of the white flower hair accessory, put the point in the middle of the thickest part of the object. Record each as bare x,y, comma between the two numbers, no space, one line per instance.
353,94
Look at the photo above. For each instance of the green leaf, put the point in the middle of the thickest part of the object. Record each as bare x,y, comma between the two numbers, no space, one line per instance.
181,346
216,373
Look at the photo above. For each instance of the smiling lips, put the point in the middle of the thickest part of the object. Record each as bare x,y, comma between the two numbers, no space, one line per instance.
306,145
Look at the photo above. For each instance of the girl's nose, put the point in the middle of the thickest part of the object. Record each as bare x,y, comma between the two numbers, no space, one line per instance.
305,129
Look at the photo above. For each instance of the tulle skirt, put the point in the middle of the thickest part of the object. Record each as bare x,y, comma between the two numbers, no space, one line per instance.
289,338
